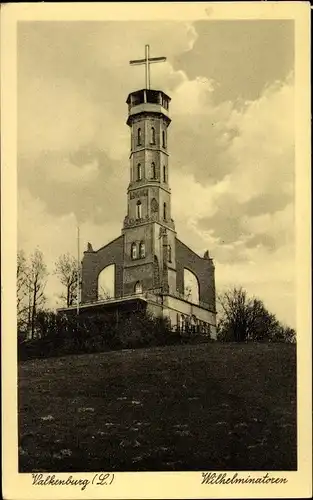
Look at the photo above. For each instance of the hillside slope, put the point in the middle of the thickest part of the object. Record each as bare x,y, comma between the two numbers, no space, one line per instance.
200,407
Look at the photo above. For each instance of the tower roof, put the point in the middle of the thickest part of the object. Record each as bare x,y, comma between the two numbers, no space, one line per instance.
149,93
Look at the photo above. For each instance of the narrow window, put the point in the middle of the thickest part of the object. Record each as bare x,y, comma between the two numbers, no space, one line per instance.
142,250
139,172
169,253
164,173
134,251
154,206
153,171
138,287
164,211
152,135
163,139
139,137
138,210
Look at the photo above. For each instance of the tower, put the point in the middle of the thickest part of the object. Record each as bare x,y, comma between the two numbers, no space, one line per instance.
148,257
149,230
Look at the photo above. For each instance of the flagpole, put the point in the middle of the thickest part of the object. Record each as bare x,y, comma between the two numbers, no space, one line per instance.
78,269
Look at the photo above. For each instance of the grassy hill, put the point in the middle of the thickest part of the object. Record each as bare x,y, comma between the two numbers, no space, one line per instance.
200,407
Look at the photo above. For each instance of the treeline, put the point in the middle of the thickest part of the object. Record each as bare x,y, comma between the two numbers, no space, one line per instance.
242,318
62,334
32,276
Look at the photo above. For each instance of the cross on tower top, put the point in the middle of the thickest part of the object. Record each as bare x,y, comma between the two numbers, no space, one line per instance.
147,61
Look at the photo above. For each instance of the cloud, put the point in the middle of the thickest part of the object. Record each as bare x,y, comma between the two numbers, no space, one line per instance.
231,150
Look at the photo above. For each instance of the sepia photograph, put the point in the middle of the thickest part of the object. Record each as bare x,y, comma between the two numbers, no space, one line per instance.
156,271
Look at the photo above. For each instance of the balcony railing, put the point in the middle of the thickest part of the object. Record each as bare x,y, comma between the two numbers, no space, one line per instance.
154,295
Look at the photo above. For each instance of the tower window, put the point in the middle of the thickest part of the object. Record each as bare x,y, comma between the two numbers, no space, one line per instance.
134,251
142,250
138,287
164,211
164,173
163,139
169,253
153,171
138,210
139,172
139,137
152,135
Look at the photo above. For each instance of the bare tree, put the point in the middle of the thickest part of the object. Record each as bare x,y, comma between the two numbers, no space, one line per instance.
103,294
66,268
244,318
187,292
233,321
22,290
37,279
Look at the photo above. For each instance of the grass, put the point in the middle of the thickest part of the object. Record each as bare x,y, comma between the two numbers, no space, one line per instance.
200,407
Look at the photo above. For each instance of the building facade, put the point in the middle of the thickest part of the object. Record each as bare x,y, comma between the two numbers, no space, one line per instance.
149,261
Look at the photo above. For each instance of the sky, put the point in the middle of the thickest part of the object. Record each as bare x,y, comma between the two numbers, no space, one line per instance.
231,142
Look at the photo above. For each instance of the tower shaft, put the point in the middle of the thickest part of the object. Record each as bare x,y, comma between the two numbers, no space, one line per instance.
148,260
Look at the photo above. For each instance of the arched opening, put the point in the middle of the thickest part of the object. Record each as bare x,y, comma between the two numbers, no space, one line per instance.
153,171
191,287
138,287
106,283
164,173
164,211
163,139
152,135
139,137
139,172
142,250
133,251
138,210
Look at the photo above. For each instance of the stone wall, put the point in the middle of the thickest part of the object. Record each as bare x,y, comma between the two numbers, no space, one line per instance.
203,269
95,261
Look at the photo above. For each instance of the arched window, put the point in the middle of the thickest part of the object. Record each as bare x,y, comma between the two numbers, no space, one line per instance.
139,137
169,253
153,171
191,287
164,211
134,251
152,135
106,283
142,250
138,210
163,139
138,287
164,173
139,172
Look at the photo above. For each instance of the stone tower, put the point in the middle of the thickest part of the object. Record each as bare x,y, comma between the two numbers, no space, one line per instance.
149,231
151,265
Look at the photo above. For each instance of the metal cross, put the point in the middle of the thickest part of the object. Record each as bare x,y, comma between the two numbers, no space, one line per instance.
147,61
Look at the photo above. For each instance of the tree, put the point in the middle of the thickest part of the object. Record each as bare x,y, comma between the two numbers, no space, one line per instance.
243,318
233,323
37,274
22,291
103,294
66,268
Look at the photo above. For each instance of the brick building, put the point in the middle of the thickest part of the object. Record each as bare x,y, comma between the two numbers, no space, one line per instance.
150,263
